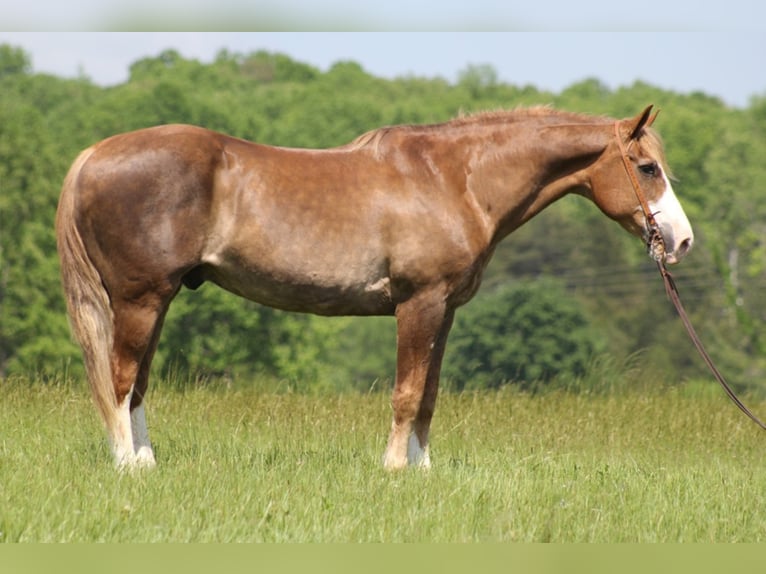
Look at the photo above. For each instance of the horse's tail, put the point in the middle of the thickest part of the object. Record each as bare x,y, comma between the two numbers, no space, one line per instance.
90,314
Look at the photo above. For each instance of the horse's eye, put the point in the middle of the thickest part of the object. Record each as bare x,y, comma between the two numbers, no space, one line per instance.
649,169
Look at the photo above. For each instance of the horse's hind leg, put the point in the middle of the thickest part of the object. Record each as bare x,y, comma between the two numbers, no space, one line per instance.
141,443
137,328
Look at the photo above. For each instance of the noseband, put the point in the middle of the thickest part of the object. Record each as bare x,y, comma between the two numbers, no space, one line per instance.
656,246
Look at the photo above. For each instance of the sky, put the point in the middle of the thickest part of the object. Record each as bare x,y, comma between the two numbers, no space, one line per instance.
726,64
390,15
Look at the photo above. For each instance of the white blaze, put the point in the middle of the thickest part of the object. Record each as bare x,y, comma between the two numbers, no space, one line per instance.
674,225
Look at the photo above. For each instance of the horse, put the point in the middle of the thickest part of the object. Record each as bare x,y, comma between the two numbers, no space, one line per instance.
401,221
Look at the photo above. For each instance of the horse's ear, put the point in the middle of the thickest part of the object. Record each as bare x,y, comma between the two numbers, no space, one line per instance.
644,119
651,119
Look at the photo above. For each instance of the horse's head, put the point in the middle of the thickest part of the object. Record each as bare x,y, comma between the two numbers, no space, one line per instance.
626,199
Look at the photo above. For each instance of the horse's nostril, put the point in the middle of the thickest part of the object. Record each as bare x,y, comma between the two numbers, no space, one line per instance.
685,246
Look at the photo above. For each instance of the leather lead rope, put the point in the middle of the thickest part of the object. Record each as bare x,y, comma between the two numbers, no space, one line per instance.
656,247
672,291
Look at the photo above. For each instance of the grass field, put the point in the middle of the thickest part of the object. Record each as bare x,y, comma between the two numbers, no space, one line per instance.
248,465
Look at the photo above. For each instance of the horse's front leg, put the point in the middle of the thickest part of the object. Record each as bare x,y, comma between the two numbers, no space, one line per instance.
423,323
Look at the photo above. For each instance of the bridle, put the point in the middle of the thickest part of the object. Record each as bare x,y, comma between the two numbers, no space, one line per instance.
656,246
655,243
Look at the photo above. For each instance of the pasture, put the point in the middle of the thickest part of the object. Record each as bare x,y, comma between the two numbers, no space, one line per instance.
252,464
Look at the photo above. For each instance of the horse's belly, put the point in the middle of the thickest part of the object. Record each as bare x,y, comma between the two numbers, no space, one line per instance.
319,293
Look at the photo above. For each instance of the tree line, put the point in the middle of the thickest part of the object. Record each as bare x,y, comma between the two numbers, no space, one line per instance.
564,290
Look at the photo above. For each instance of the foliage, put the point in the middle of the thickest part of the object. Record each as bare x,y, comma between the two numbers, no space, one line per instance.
242,337
525,332
716,153
13,61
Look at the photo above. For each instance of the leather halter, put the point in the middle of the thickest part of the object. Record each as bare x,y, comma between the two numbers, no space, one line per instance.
656,246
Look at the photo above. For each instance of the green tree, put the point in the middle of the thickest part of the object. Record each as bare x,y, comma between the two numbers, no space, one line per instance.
267,67
523,333
33,327
715,152
478,78
214,333
14,61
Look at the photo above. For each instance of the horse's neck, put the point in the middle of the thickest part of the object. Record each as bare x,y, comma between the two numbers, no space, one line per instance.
522,170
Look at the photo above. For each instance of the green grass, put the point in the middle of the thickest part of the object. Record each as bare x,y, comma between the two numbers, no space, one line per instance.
249,465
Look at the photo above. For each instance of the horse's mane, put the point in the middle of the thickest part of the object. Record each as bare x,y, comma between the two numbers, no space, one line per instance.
521,114
373,137
544,114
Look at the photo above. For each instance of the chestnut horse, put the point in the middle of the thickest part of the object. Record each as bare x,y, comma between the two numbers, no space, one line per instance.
402,221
